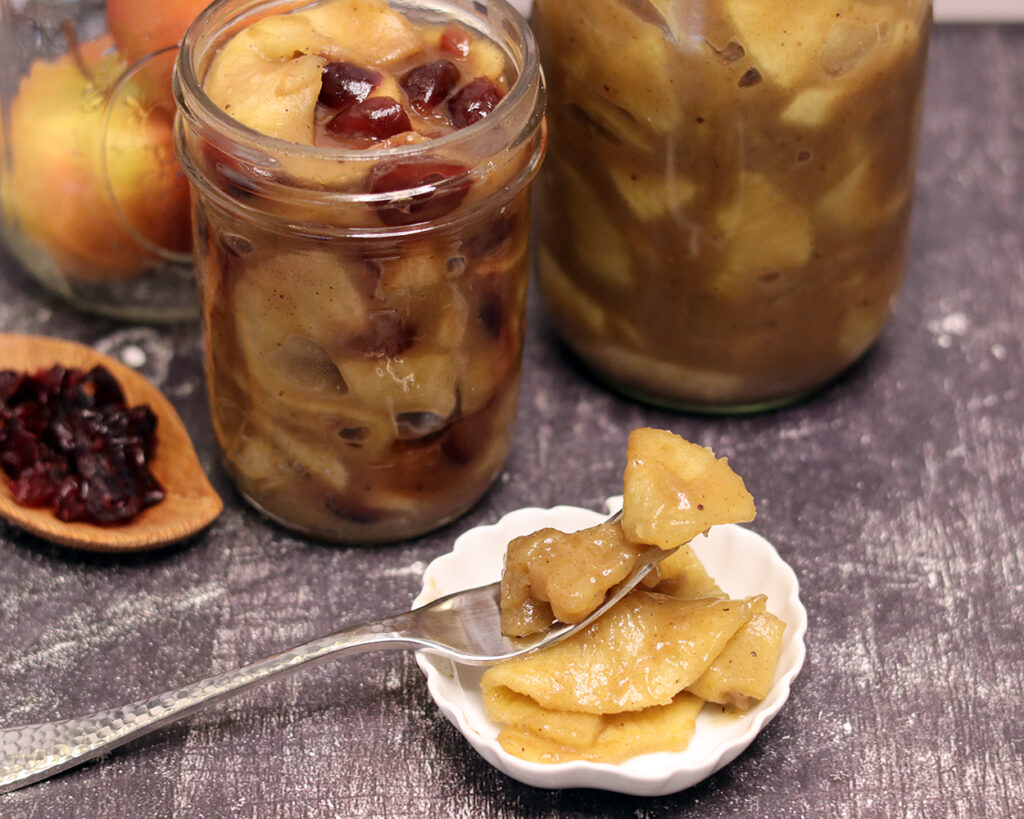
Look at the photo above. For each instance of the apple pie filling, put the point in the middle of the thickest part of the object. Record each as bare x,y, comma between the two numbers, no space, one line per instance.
724,208
633,681
364,291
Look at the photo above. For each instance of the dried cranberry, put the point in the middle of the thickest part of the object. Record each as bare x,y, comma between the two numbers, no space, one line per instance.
373,118
236,177
346,83
430,84
12,384
455,41
445,177
751,77
387,335
100,389
20,448
51,383
70,505
352,510
474,101
493,236
33,487
492,313
471,434
68,439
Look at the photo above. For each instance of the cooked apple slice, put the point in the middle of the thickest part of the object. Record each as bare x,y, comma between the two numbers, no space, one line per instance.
368,32
652,194
281,37
681,574
293,314
275,98
742,674
674,490
561,575
638,82
541,735
416,386
862,199
770,241
772,35
587,314
673,640
594,235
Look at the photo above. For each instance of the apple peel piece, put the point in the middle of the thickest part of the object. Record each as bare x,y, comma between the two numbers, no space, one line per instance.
674,490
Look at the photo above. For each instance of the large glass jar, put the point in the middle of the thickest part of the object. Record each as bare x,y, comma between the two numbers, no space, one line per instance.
723,212
363,309
94,203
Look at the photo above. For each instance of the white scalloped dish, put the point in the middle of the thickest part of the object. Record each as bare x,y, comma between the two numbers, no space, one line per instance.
742,563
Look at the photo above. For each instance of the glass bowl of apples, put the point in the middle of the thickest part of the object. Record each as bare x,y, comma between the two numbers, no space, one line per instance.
94,203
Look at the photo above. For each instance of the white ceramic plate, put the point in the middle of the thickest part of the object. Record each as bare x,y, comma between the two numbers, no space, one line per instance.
742,563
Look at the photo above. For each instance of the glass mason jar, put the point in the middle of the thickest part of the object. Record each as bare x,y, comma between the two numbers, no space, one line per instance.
363,310
94,203
723,213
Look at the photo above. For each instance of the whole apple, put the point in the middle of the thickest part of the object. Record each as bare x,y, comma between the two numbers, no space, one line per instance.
142,27
88,179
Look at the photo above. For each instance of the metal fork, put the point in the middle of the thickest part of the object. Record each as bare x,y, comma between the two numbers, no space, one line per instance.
465,627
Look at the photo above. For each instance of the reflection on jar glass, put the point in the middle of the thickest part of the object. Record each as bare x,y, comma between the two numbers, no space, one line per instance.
723,213
363,270
94,203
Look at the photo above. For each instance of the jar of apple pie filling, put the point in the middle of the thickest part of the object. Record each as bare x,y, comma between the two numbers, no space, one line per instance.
723,213
362,250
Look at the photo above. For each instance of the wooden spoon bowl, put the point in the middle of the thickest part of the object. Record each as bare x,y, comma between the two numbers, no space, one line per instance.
191,503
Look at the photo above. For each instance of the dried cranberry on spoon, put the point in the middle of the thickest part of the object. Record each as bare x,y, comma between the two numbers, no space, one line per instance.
69,441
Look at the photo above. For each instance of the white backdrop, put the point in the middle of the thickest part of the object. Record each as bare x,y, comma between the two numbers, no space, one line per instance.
960,10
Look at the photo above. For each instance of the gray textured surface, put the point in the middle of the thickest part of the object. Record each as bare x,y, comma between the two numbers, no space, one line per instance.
895,495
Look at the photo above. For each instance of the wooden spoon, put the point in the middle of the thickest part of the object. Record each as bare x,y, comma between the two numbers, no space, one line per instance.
190,504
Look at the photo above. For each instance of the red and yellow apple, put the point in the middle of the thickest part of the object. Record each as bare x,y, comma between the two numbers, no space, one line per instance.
88,178
143,27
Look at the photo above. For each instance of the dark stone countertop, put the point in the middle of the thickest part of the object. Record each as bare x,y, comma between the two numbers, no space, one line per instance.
895,494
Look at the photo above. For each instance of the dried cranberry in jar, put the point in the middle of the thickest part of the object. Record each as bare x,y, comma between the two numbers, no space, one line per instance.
430,84
346,83
474,101
450,188
352,509
373,118
472,434
234,176
493,236
387,335
455,41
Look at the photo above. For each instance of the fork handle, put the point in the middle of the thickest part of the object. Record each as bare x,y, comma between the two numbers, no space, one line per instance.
30,753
